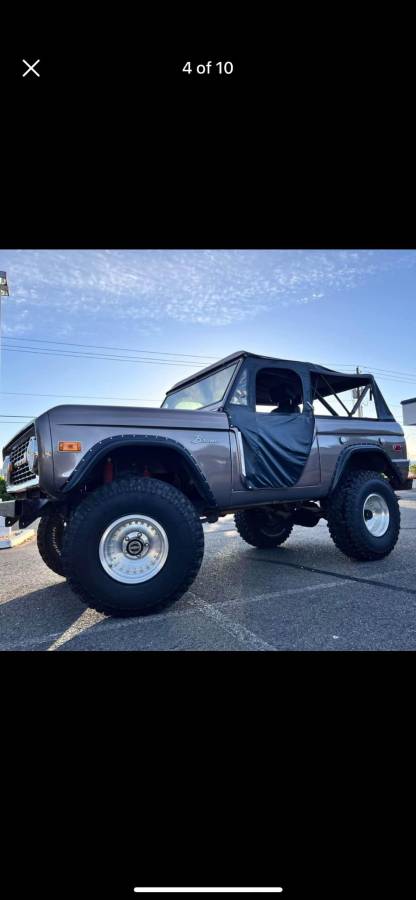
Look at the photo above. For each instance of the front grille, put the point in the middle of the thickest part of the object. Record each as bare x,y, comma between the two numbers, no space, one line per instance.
20,470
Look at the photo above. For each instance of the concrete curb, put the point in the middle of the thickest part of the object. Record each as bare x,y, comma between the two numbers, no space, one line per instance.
16,538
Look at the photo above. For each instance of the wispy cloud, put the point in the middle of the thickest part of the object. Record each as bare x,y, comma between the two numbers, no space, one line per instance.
212,287
22,324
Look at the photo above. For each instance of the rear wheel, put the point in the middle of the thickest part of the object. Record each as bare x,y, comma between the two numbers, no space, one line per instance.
364,516
263,527
49,538
132,545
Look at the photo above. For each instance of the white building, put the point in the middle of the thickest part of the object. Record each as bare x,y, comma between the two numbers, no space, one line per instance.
409,411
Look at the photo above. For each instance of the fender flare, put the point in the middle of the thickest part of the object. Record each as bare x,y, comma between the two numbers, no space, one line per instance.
100,450
352,450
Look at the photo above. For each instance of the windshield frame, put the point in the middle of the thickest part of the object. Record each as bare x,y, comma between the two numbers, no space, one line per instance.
235,366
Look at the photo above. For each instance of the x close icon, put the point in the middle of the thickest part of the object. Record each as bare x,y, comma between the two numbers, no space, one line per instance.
31,68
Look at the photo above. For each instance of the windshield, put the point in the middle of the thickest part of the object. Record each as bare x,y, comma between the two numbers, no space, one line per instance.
210,389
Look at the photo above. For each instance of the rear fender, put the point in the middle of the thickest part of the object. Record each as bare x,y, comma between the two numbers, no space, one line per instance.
372,457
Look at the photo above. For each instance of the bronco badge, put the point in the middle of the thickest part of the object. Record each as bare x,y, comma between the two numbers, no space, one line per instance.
200,439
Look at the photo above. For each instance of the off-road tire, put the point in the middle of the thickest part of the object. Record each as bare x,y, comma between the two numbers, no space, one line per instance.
49,539
345,516
139,496
249,522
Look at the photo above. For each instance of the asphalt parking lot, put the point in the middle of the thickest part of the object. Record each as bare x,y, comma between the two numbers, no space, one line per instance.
303,596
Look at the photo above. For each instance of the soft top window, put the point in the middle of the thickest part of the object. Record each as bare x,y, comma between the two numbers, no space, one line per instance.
239,395
335,395
278,391
205,392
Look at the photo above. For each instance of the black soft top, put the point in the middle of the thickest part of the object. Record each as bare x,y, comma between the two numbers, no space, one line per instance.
346,381
327,381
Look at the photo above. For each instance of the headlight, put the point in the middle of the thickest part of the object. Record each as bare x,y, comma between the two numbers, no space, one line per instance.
32,454
6,468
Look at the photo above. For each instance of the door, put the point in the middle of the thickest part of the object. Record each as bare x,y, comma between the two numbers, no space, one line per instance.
277,432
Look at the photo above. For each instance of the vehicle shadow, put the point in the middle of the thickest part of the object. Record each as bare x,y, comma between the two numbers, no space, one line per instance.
37,619
52,616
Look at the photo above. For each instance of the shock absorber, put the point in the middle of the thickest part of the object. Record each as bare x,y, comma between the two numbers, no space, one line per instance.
108,474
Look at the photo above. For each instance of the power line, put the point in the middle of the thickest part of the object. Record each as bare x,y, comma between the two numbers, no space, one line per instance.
381,372
135,400
374,369
392,371
106,347
77,355
380,377
408,379
392,376
79,396
194,356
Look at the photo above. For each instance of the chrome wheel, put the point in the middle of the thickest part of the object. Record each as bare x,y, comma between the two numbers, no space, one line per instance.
376,515
133,549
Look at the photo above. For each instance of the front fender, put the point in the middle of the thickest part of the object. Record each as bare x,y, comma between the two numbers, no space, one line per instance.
100,451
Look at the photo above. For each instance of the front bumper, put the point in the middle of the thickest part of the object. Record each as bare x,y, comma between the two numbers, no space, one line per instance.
25,511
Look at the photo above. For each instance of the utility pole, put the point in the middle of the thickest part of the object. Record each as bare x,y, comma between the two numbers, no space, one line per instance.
5,533
360,409
4,292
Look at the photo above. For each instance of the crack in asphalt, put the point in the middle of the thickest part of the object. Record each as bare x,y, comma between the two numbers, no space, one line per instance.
343,576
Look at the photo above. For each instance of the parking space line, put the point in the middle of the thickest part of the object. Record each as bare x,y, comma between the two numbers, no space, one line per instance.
107,624
80,626
239,631
213,611
272,595
104,625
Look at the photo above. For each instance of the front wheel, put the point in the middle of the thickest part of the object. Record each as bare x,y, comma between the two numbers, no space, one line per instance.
132,545
49,539
364,516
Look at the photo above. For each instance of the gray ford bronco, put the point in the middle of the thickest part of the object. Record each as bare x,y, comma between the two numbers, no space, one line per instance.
122,492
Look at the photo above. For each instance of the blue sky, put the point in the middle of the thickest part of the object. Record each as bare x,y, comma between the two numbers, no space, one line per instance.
339,308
